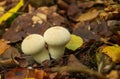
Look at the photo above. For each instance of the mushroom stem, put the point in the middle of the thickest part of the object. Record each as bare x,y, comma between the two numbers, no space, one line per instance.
42,56
56,52
34,45
56,38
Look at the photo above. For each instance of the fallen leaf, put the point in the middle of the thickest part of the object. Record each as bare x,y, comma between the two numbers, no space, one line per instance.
16,73
3,46
114,74
100,27
74,62
40,74
7,58
72,10
75,42
90,15
11,11
26,73
113,52
53,75
11,52
83,30
26,24
104,63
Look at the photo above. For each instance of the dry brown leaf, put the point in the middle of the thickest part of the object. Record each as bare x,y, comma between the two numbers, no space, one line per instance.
3,46
90,15
74,62
8,58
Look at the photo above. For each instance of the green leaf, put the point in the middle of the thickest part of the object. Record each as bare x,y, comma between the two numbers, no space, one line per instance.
75,42
11,11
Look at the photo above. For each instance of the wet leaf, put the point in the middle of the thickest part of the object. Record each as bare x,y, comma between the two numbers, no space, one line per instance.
11,11
75,42
113,52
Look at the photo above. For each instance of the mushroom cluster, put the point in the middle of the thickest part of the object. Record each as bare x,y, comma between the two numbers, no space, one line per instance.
55,37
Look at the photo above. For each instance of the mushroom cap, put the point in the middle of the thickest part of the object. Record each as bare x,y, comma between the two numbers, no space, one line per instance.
57,35
32,44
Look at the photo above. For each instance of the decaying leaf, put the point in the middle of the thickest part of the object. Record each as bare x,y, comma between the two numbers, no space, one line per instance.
90,15
38,3
74,62
35,22
75,42
17,73
11,52
11,11
26,73
40,74
104,62
83,31
11,57
3,46
113,52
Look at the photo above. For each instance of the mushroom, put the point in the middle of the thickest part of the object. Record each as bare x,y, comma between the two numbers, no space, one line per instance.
56,38
34,45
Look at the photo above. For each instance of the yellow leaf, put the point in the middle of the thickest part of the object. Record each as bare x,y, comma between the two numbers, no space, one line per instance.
75,42
113,52
11,11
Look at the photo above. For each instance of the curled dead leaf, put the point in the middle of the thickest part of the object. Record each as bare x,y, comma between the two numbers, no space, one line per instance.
7,58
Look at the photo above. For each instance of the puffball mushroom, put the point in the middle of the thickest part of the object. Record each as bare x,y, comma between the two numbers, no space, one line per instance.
34,45
56,38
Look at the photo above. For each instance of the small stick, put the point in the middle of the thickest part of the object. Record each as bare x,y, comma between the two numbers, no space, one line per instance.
79,69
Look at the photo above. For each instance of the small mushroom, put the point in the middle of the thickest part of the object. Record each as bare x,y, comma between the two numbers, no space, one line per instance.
34,45
56,38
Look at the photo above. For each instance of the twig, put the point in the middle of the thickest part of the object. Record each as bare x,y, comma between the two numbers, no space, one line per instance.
79,69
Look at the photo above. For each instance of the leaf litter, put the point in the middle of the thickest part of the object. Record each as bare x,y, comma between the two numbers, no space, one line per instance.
95,23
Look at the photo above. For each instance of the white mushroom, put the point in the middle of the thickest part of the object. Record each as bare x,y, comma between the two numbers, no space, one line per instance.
34,45
56,37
